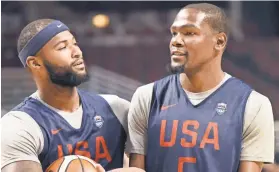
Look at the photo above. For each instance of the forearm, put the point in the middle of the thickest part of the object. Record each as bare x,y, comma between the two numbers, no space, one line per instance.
250,166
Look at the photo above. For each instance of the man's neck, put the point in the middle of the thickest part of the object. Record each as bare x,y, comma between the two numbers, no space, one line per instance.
62,98
203,80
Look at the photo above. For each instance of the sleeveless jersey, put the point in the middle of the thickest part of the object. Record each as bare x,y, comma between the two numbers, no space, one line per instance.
101,136
207,137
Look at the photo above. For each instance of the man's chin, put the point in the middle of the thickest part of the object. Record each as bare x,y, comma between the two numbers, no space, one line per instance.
175,68
70,80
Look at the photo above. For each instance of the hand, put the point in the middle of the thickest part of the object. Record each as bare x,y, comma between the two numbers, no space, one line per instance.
99,168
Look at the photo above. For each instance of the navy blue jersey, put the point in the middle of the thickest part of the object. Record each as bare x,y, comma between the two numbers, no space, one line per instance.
183,137
101,136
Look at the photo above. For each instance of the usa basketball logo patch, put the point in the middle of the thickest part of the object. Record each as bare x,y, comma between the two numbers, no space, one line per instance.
221,108
98,121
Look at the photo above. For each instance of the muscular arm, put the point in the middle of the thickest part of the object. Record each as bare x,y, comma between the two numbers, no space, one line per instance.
258,135
23,166
137,124
137,160
250,166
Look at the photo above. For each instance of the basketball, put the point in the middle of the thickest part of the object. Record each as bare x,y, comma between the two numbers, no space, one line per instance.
72,163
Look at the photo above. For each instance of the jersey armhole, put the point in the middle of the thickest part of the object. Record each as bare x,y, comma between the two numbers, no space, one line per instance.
42,154
153,98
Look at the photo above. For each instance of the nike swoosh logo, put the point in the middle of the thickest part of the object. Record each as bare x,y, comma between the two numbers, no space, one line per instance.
54,132
165,107
59,25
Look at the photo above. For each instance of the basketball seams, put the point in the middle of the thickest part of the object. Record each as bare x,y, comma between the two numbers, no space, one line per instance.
73,161
48,169
89,160
69,163
81,164
61,164
65,164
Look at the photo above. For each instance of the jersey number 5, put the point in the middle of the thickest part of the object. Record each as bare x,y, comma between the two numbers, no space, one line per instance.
182,160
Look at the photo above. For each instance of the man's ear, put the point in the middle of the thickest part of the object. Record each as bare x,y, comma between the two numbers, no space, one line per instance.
33,62
221,41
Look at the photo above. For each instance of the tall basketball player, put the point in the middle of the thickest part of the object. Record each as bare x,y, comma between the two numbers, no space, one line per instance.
200,118
59,119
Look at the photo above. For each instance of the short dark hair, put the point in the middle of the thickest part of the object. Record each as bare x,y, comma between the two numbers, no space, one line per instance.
216,17
29,31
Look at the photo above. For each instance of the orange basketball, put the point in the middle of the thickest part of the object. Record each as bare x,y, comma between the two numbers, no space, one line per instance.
72,163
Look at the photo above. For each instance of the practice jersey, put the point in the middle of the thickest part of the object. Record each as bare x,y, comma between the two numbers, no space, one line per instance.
214,130
98,132
187,137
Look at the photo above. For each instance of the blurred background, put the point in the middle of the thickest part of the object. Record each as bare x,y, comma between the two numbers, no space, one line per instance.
125,45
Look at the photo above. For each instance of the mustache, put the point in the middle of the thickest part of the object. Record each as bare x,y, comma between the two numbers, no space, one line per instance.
80,59
178,52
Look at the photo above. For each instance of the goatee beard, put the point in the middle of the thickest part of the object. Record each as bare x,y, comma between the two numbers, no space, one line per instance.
175,69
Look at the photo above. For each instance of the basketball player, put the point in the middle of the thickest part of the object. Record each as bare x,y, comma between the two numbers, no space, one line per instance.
59,119
201,118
